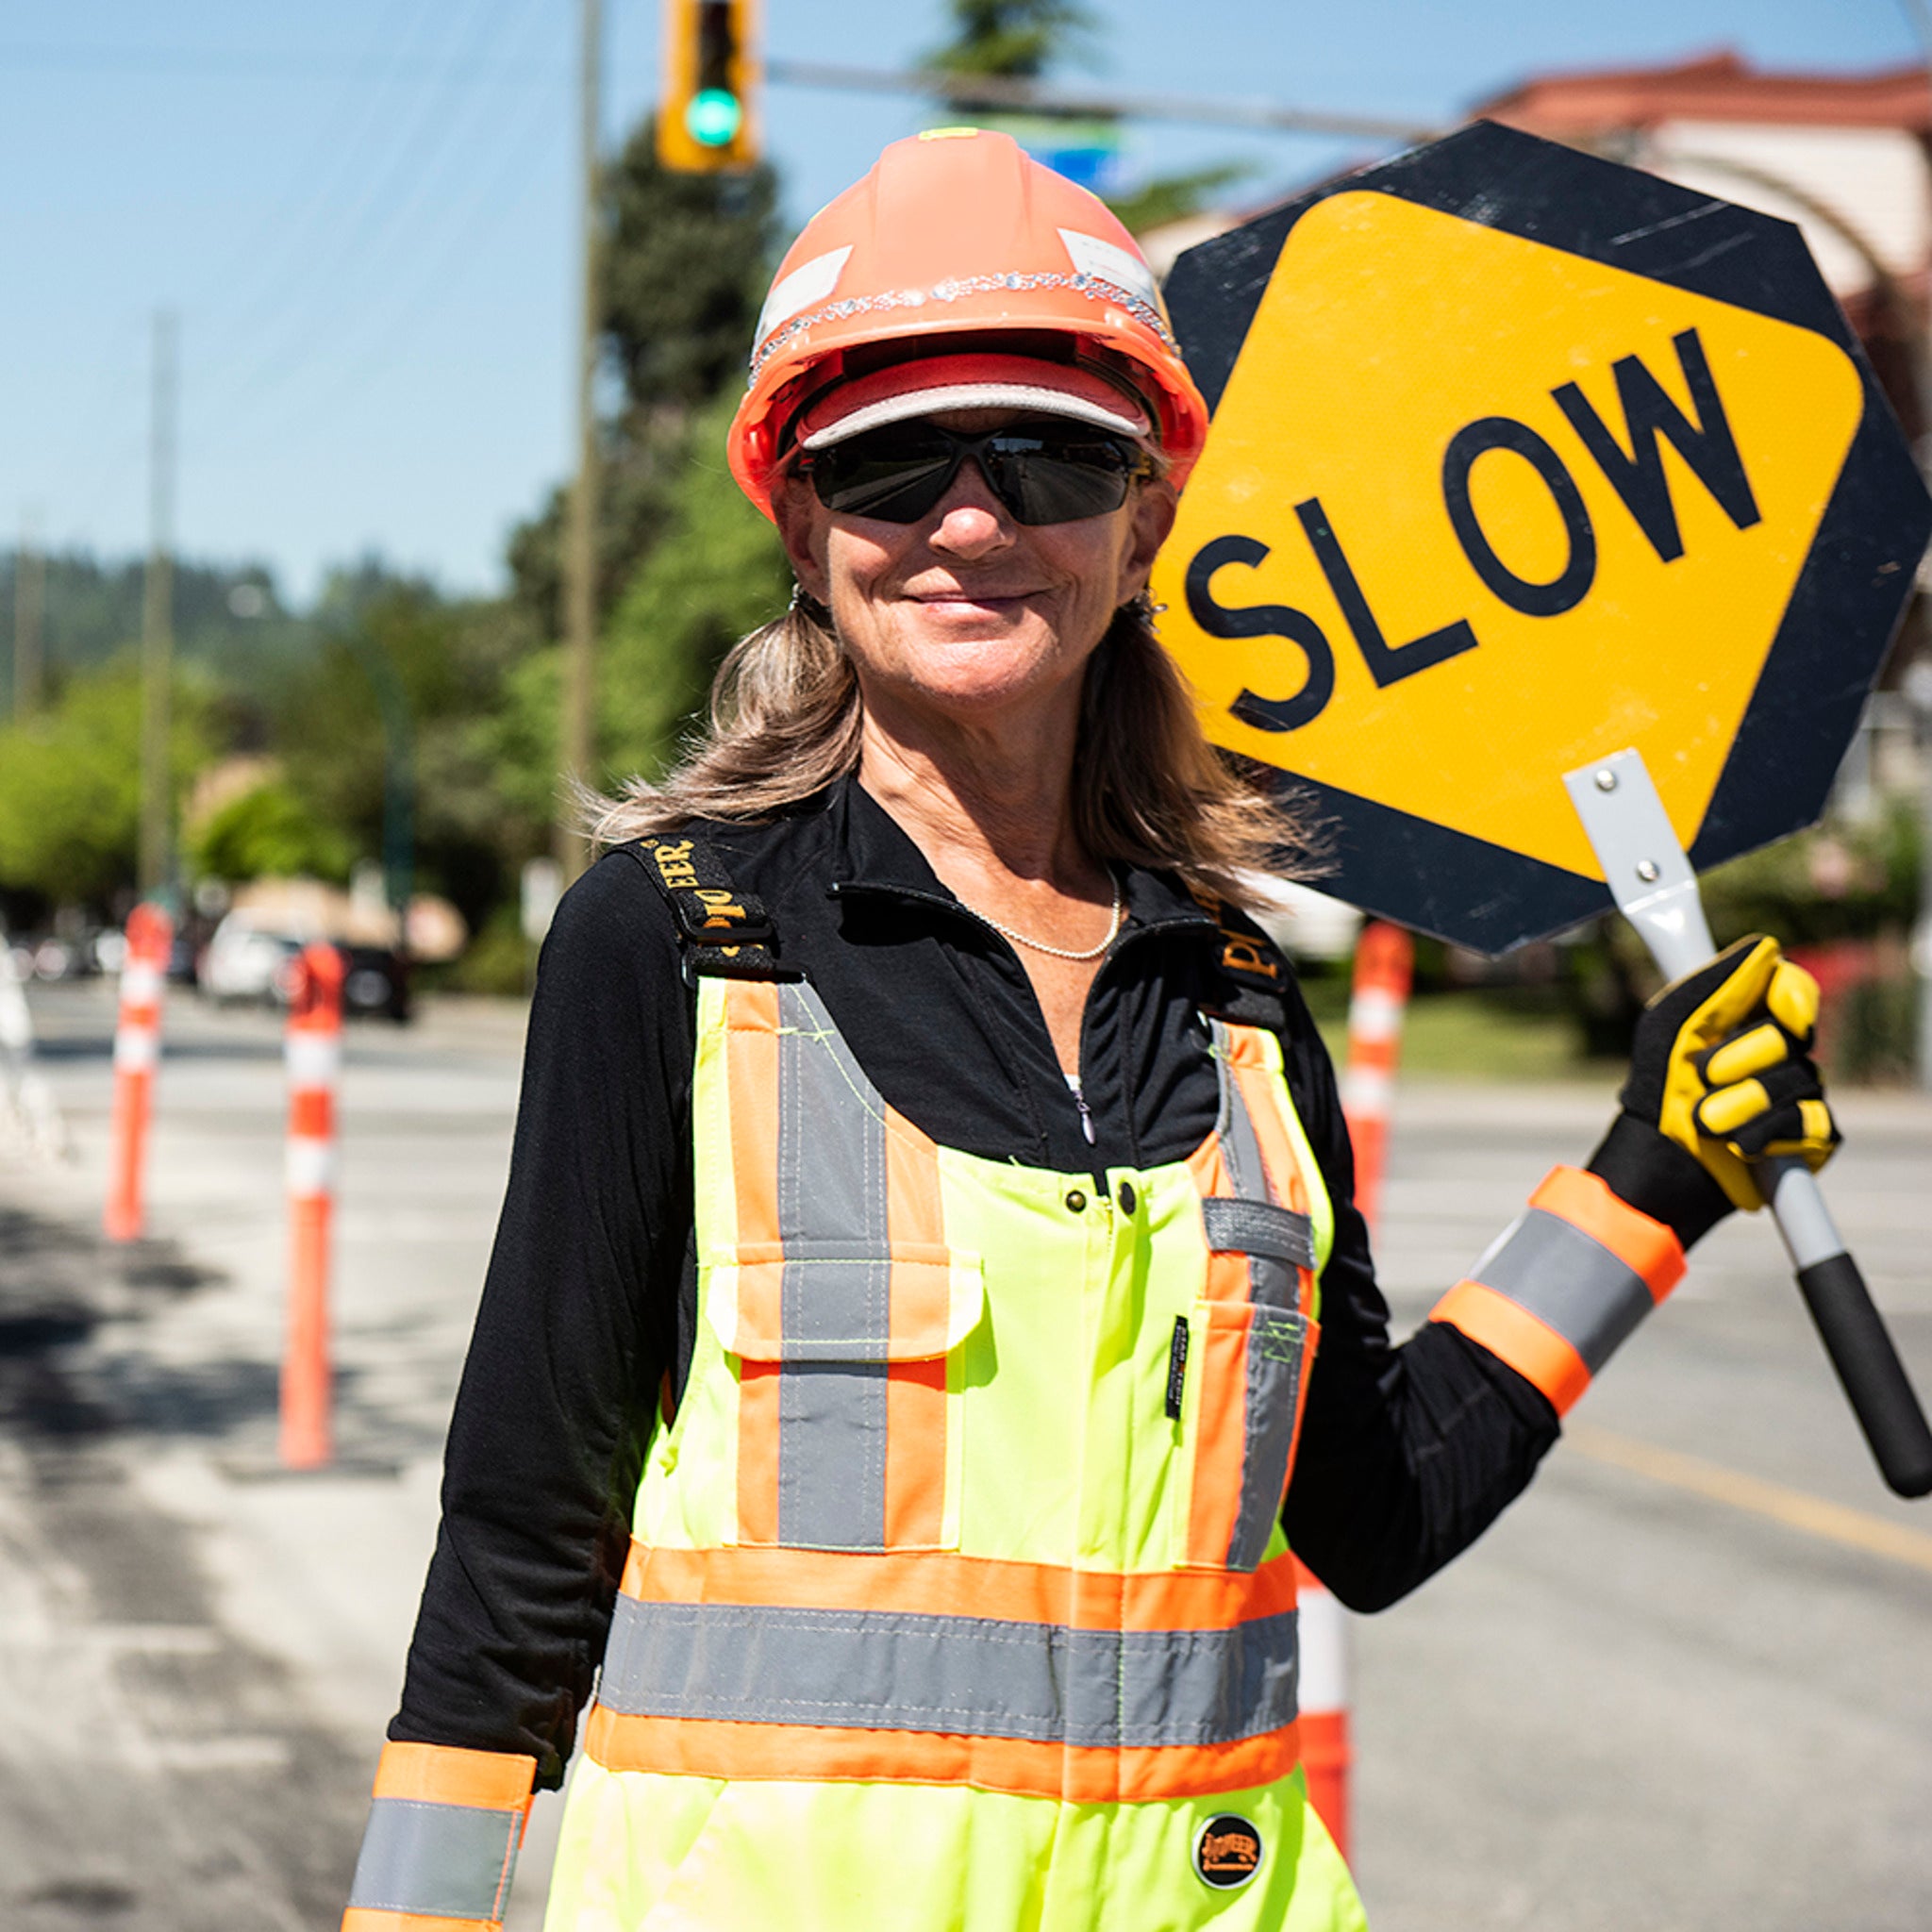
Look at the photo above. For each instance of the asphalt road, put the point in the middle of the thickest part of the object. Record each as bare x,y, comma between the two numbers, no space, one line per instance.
1686,1683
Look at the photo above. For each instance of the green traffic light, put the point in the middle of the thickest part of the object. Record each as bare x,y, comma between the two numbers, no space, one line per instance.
714,117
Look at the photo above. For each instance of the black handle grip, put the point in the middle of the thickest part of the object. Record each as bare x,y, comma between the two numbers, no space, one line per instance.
1875,1379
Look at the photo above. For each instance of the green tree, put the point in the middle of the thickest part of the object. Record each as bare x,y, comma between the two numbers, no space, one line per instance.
70,784
267,832
686,260
446,663
716,570
1016,39
1167,198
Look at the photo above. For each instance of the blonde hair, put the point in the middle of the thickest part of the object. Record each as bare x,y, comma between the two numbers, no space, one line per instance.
1148,788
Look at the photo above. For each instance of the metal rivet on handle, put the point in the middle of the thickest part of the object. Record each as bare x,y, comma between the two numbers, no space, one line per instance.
1606,780
1647,870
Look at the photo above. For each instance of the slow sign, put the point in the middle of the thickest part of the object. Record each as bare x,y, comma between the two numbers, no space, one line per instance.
1520,459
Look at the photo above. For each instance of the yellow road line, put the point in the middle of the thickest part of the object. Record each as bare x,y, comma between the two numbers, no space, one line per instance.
1833,1522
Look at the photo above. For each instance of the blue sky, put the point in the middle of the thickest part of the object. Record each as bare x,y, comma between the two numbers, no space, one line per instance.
363,214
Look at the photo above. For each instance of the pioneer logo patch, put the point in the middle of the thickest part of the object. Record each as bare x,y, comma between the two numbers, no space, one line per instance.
1227,1853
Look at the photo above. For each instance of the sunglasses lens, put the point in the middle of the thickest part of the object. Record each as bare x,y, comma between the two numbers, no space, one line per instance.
1058,479
897,473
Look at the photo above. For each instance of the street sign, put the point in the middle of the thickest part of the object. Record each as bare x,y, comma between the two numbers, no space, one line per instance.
1521,458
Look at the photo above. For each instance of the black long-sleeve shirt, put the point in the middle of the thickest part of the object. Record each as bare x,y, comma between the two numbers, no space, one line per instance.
1407,1452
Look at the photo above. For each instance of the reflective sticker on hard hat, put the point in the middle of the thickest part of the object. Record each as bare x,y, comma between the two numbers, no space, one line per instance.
1111,263
1227,1852
804,285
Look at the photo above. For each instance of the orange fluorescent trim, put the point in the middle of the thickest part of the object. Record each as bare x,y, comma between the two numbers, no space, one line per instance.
361,1919
444,1775
706,1747
758,1451
915,1454
1261,1090
1219,1363
751,1058
940,1583
1513,1334
1646,1247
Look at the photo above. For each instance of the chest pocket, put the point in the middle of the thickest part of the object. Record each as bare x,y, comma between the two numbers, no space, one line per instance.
837,1297
1252,1331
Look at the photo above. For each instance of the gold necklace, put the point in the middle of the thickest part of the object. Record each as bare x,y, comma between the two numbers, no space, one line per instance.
1092,952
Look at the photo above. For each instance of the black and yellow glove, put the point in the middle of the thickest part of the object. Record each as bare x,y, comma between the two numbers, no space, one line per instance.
1720,1065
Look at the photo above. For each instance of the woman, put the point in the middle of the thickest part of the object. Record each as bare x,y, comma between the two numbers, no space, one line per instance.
928,1191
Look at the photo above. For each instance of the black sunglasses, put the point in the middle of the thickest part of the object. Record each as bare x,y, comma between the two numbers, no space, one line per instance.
1052,471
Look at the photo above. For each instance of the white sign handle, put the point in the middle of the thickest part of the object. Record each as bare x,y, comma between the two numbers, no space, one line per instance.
1656,891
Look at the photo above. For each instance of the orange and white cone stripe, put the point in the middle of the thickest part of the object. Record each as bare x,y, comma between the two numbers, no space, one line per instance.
1384,963
136,1053
1327,1750
314,1050
1384,960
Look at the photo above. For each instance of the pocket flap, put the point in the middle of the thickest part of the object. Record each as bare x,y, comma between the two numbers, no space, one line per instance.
1259,1227
848,1302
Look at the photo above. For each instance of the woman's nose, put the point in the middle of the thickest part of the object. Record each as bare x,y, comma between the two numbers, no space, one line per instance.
972,522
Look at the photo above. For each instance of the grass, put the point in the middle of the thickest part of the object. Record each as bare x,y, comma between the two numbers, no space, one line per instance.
1475,1034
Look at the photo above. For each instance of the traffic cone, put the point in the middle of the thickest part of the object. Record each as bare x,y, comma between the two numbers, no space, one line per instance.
1384,960
137,1052
314,1050
1327,1751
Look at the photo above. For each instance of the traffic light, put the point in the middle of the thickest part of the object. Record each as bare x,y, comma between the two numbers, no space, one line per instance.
708,118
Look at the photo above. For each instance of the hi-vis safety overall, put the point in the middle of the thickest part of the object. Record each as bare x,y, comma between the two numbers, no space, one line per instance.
958,1596
958,1600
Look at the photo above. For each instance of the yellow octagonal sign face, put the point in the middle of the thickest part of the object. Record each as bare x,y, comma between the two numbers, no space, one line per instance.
1477,509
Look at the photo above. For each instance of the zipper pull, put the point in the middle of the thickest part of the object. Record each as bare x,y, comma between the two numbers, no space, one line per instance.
1081,1101
1176,1368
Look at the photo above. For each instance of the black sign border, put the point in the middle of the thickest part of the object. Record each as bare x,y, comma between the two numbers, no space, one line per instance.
1843,612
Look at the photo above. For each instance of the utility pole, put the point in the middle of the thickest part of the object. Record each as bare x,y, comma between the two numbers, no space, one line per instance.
29,585
158,617
580,534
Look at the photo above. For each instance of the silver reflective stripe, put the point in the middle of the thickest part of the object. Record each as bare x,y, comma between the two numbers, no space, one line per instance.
1259,1227
1276,1341
832,1455
1241,1150
442,1861
977,1676
836,1299
1568,1280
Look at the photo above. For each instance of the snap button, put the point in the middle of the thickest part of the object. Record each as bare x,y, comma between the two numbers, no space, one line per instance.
1126,1197
1077,1201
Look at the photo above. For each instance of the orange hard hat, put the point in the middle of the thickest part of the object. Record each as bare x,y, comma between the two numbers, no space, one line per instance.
958,240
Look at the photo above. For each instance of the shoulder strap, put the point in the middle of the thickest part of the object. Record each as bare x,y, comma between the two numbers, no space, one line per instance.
1252,975
721,930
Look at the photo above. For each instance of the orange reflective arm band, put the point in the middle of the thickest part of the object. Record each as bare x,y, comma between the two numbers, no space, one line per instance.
441,1840
1566,1284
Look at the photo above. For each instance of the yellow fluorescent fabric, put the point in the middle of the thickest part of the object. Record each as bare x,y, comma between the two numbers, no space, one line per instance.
641,1850
1056,1325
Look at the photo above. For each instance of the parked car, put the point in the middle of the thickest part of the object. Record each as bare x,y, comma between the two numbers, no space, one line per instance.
246,963
375,981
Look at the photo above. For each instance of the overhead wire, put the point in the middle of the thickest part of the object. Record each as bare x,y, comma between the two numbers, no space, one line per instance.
116,399
379,328
395,190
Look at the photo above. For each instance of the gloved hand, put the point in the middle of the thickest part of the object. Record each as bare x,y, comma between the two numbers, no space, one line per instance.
1720,1065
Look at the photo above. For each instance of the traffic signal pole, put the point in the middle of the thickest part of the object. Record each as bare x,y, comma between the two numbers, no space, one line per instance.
581,533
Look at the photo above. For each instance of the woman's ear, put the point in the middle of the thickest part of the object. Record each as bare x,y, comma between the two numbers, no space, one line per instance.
1155,508
802,526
